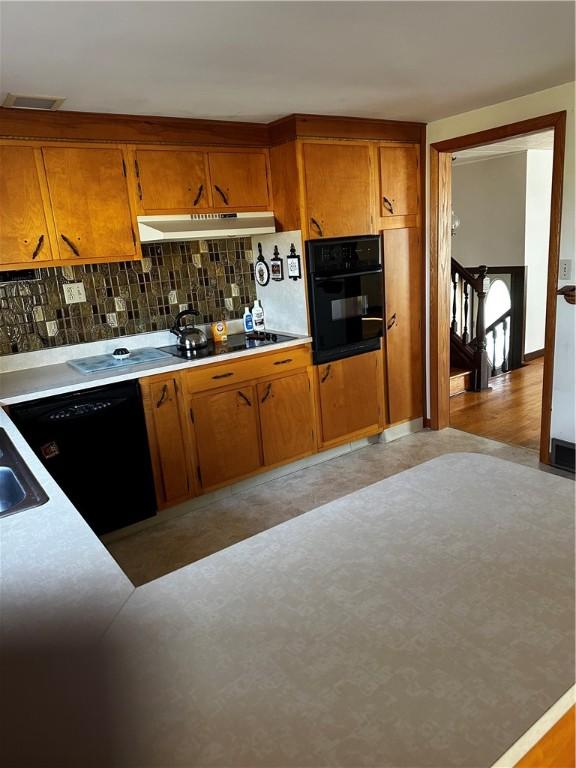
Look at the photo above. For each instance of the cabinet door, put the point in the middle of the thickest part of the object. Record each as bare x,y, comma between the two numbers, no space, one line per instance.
239,180
351,396
89,197
227,434
166,440
337,189
399,181
403,300
24,237
172,180
286,418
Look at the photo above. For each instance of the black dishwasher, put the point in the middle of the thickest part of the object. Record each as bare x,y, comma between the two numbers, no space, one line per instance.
95,446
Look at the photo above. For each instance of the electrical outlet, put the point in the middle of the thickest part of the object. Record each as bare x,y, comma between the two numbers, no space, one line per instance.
565,272
74,293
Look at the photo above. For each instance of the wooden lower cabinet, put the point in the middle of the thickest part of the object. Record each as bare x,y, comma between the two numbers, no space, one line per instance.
227,434
403,291
204,434
168,446
351,398
286,418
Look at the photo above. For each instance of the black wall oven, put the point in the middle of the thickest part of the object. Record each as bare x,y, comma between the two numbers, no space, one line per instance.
346,295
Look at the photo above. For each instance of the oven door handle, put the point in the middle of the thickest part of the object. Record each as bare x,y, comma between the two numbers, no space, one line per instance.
340,275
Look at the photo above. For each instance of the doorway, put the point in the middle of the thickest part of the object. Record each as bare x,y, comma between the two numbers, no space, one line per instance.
501,196
463,300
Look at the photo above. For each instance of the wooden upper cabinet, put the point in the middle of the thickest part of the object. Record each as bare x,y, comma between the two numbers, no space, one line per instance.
90,203
172,180
286,418
399,180
227,434
351,397
403,275
24,235
337,189
239,180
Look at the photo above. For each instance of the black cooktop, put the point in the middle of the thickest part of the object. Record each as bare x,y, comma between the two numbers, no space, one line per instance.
236,343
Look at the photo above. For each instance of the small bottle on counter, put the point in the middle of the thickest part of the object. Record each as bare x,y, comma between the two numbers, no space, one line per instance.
220,331
258,316
248,322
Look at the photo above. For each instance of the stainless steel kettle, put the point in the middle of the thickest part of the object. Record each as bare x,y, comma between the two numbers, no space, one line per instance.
189,337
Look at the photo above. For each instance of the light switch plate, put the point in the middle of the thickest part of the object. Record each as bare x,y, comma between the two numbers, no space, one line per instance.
565,272
74,293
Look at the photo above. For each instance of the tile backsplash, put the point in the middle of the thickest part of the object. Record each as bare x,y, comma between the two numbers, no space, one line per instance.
215,276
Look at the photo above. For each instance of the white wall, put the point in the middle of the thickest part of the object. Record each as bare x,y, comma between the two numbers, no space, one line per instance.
284,302
541,103
538,199
488,196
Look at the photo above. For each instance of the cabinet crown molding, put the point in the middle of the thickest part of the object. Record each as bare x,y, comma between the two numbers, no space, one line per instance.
152,129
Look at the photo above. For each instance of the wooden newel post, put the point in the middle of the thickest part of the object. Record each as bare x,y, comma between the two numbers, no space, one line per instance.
482,372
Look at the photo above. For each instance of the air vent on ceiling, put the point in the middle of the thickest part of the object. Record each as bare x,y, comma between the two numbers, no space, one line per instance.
32,102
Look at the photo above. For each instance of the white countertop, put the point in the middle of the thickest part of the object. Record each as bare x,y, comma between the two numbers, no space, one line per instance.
283,650
44,381
55,571
215,656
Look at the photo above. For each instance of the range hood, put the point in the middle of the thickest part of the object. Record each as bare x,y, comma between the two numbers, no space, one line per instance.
204,226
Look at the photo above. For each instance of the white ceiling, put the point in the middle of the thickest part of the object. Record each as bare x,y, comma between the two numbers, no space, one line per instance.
262,60
542,140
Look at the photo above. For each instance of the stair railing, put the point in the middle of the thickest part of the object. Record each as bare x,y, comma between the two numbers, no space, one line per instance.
503,321
463,279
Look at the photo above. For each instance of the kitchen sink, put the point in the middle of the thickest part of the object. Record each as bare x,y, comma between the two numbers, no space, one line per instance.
19,489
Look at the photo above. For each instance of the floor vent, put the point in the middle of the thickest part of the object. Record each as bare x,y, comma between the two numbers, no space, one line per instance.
563,454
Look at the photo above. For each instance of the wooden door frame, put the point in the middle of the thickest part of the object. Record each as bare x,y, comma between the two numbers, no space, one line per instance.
440,255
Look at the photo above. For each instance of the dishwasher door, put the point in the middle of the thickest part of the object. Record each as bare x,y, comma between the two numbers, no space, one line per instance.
95,446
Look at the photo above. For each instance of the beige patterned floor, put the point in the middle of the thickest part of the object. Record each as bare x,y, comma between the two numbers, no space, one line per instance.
158,550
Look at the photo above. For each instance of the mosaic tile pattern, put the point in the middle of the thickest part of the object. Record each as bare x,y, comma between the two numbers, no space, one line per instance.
216,277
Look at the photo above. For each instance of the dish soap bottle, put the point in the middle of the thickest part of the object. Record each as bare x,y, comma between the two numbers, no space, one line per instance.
248,322
258,316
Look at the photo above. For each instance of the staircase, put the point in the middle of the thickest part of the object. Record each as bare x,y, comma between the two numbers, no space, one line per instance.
470,365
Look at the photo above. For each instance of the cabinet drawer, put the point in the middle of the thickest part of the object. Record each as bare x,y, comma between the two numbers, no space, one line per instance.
254,367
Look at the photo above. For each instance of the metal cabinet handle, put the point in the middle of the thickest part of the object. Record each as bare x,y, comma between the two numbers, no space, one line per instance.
283,362
246,400
326,374
70,245
392,322
318,227
139,185
223,375
267,393
388,205
199,194
222,195
38,246
163,396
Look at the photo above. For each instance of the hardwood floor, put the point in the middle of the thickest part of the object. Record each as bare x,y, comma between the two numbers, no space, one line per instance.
556,748
510,412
